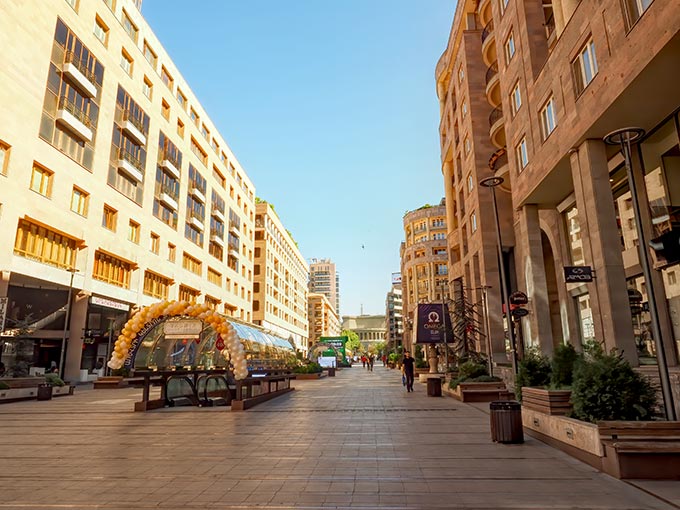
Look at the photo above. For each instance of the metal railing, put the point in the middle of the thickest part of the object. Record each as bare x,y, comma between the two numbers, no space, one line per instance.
487,31
75,110
165,188
138,123
495,116
166,154
491,72
130,158
72,58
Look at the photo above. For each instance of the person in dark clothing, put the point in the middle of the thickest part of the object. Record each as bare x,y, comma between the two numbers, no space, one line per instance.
408,364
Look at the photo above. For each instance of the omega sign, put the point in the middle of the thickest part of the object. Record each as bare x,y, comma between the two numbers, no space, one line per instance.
433,324
578,274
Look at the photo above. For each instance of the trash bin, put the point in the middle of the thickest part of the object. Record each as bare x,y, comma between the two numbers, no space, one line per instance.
331,371
506,422
434,387
44,392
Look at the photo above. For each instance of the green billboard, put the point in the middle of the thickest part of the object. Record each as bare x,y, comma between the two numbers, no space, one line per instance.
336,344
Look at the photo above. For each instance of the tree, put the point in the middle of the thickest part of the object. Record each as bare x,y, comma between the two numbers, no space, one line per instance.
468,331
353,342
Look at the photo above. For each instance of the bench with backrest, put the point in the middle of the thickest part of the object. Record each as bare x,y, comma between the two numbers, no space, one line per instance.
482,392
641,449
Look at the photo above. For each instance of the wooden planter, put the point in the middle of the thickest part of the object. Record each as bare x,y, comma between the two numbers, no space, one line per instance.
480,392
302,377
552,402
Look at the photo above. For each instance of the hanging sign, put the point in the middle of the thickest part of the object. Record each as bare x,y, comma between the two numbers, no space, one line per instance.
518,298
183,329
433,324
219,344
578,274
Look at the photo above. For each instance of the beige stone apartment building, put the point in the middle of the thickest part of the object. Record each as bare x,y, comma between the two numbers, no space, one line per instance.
281,276
424,262
325,279
116,187
559,77
323,321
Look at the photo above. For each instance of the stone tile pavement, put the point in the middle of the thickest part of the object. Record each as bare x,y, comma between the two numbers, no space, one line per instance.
354,441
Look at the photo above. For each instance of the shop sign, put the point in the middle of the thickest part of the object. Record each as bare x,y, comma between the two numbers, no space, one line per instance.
219,344
578,274
109,303
396,278
433,324
518,313
518,298
183,329
3,312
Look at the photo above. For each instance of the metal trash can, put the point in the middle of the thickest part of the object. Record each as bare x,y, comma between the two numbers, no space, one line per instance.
44,392
506,422
434,387
331,371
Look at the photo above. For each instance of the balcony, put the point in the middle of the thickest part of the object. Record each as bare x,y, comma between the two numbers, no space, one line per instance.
497,127
167,200
197,194
133,128
197,223
493,89
217,214
488,44
79,74
233,228
233,250
74,119
216,238
130,165
169,163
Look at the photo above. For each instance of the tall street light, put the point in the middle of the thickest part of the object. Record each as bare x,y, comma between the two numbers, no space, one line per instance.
73,271
624,138
492,183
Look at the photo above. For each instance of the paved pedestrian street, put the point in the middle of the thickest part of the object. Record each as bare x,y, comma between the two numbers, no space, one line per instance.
354,441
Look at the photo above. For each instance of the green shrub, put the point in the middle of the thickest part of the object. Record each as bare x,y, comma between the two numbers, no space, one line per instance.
4,386
469,372
393,357
54,380
562,366
421,363
485,378
533,370
310,368
605,387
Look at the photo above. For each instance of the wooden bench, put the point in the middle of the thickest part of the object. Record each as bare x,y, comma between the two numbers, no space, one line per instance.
638,449
482,392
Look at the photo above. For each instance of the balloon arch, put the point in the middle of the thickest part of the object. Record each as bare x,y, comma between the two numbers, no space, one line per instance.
145,319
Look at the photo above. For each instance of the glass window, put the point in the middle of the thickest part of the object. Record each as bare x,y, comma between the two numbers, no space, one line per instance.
473,221
181,99
4,157
166,78
147,87
101,31
126,62
172,252
79,201
548,118
129,26
109,218
585,313
634,10
41,180
522,154
150,55
155,244
516,99
585,66
133,232
574,233
503,4
509,48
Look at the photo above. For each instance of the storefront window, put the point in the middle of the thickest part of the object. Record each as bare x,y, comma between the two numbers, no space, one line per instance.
585,316
575,241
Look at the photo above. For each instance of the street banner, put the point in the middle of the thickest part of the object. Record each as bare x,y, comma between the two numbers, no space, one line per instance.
433,324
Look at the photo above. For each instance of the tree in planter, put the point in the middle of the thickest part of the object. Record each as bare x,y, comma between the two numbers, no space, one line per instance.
562,366
466,319
532,370
605,387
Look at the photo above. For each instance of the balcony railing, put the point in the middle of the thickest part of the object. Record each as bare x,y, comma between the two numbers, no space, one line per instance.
197,215
72,58
128,116
130,158
75,110
168,190
491,72
495,116
487,31
499,159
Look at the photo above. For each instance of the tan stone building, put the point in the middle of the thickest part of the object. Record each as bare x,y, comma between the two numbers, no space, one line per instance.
281,275
424,262
369,328
561,76
115,182
323,321
325,279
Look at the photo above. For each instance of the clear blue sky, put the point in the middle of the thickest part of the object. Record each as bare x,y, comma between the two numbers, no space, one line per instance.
330,106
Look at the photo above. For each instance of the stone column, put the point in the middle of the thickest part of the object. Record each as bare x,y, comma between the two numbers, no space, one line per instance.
74,345
602,248
537,326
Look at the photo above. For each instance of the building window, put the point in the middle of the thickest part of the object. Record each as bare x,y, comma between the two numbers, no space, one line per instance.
473,221
79,201
4,157
180,128
634,10
194,116
166,78
156,285
41,180
214,277
191,264
522,154
110,269
471,183
147,87
133,232
585,66
109,218
172,252
73,4
198,151
150,55
461,74
548,118
165,109
467,145
101,31
181,99
126,62
516,99
155,245
129,26
464,108
503,4
44,245
509,48
188,294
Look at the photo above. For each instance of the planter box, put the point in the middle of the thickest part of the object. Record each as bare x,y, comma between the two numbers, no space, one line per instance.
552,402
16,394
110,382
60,391
302,377
480,392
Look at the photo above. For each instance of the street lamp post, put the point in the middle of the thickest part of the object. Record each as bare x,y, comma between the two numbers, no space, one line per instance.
493,182
624,138
73,271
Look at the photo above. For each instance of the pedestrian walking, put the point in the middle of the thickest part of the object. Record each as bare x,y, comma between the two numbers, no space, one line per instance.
363,360
371,360
407,369
384,360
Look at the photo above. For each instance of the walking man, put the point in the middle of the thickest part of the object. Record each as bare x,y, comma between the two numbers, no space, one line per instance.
408,370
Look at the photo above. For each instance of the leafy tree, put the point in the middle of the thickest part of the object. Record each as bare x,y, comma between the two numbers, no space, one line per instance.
562,365
353,342
468,331
533,370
